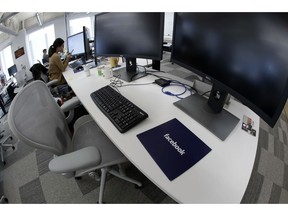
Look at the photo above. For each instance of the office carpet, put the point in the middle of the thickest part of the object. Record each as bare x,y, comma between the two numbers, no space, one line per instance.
26,178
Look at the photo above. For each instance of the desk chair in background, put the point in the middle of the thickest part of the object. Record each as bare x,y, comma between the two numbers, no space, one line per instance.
36,120
39,72
4,144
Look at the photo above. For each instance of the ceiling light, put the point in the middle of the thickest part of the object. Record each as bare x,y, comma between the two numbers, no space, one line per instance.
38,19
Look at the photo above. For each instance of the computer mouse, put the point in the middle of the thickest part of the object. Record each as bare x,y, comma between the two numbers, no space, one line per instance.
79,68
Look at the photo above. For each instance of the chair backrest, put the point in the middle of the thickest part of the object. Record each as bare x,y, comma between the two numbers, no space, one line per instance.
44,60
36,119
39,72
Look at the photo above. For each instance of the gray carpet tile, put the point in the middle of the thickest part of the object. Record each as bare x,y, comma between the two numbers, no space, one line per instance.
149,189
265,192
271,141
285,149
32,192
253,189
285,182
271,167
279,149
121,192
263,139
275,194
43,158
58,189
280,135
1,188
86,184
284,196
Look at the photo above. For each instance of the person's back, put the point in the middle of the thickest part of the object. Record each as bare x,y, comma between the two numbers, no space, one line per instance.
45,58
56,66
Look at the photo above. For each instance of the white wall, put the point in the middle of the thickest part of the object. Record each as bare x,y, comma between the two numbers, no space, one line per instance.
22,62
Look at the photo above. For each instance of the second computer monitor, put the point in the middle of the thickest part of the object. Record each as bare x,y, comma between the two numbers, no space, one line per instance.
129,35
12,70
78,44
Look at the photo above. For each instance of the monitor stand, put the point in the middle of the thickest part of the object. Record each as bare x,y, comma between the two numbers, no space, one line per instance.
127,76
129,73
220,124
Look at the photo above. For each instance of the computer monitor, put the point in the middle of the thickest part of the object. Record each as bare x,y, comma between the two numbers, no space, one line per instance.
12,70
129,35
88,52
78,44
244,54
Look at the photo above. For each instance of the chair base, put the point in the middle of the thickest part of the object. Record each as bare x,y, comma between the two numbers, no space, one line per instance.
121,174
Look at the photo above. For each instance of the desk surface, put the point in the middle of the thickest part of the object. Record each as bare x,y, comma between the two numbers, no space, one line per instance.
220,177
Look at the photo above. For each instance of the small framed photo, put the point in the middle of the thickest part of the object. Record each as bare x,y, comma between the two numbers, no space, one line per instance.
18,53
248,125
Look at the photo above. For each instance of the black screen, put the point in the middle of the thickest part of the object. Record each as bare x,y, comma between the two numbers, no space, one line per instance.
12,70
86,35
134,35
244,53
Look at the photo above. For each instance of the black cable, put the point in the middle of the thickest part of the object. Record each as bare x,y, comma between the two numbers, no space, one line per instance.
205,93
137,84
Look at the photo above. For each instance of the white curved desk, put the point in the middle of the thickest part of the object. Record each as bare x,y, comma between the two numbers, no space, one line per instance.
220,177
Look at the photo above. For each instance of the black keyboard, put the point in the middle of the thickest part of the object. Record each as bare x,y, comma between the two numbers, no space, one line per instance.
76,63
120,111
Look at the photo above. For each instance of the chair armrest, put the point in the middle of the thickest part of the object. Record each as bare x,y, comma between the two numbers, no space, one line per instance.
81,159
70,104
52,82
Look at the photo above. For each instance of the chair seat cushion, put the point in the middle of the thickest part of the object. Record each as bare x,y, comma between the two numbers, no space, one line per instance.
88,133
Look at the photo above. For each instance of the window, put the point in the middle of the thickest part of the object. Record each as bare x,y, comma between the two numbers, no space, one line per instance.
76,25
39,40
6,60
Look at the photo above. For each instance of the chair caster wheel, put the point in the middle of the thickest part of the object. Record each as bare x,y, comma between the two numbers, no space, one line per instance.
4,163
11,138
78,178
13,147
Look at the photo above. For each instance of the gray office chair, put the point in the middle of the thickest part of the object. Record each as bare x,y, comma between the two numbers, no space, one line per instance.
35,118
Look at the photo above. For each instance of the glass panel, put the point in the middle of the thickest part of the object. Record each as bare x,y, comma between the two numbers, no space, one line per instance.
6,60
39,40
76,25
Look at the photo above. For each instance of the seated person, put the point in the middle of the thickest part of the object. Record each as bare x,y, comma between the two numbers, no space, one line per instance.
57,67
45,58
